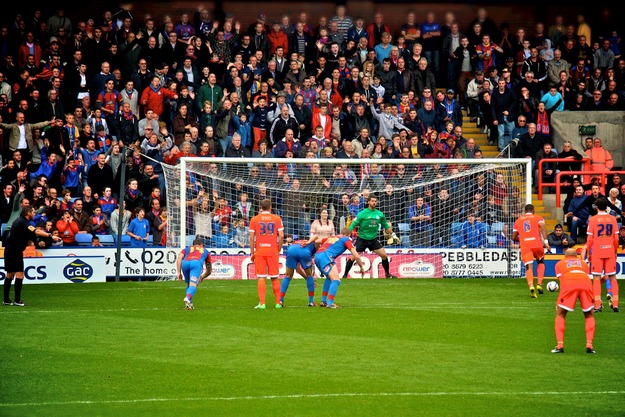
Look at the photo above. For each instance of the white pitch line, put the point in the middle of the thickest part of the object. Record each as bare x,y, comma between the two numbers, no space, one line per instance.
328,395
19,310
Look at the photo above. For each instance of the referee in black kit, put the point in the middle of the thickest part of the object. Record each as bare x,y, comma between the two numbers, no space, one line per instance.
21,232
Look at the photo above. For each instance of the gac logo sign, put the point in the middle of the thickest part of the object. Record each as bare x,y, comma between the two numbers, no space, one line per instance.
78,271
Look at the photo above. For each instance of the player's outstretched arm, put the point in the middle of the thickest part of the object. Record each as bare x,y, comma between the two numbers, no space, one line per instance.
358,260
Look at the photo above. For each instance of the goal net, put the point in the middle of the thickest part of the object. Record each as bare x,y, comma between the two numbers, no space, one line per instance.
450,218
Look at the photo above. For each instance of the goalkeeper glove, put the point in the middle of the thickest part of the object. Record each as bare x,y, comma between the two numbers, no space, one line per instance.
393,240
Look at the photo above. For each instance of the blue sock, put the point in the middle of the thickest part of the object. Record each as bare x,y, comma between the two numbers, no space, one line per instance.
191,291
326,288
284,286
310,285
608,285
333,289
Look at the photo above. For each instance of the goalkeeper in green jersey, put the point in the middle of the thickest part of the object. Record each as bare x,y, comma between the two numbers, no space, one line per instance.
369,221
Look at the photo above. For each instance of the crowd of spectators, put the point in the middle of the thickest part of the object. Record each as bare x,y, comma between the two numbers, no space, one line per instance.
83,100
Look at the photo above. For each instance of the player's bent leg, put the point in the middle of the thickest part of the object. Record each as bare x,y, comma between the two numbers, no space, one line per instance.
334,286
310,286
560,327
589,326
286,281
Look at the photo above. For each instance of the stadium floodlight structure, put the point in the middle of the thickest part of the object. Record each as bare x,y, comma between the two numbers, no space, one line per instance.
204,195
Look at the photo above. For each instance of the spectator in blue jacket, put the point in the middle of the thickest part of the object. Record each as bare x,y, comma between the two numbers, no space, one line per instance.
286,144
473,233
223,238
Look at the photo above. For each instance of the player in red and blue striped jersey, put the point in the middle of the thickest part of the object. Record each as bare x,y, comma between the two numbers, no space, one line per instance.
331,248
299,257
195,264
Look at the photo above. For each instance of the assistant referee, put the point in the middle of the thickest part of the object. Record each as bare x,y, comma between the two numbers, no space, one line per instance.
21,232
368,221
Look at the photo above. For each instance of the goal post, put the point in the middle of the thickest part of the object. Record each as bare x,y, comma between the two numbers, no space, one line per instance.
457,213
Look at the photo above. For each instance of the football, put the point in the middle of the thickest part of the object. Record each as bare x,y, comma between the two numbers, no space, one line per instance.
552,286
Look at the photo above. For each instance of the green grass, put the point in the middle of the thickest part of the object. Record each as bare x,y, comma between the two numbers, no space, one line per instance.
454,347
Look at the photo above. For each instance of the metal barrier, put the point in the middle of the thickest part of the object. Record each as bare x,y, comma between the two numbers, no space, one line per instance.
541,184
601,174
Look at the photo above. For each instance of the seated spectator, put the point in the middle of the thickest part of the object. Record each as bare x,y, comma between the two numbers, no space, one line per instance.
559,240
95,242
473,233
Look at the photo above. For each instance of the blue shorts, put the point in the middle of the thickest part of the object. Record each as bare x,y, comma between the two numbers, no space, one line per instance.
324,263
191,270
296,254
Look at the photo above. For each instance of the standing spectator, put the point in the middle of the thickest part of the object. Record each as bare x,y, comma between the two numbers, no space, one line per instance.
473,233
376,29
487,56
153,97
420,216
19,136
538,68
68,229
600,158
503,105
139,229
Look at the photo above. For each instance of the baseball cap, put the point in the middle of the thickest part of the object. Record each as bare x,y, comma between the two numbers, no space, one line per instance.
491,68
450,90
509,59
53,39
282,94
262,16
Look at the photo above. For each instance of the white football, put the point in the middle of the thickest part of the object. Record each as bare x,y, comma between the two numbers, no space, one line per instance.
552,286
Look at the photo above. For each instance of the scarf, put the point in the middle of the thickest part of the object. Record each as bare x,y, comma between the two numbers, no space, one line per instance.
133,193
542,123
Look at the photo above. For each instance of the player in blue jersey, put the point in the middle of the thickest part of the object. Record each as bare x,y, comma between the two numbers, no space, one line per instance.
330,249
299,257
195,264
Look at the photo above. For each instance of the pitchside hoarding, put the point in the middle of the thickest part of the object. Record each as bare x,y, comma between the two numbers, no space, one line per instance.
61,269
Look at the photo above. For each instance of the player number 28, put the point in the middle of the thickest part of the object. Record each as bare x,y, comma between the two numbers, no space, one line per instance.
604,229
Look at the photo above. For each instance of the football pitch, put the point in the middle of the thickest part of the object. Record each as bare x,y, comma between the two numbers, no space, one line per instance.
452,347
